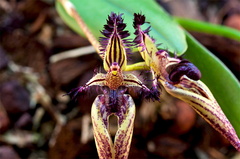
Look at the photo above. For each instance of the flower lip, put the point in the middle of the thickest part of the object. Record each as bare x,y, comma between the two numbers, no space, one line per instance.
184,68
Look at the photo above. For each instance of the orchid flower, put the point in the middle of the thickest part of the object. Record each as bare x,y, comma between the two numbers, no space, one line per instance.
114,101
178,76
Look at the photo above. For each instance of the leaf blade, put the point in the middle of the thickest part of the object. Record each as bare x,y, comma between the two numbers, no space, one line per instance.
171,37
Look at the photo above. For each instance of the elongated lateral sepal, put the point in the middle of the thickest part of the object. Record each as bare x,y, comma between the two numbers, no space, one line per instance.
102,137
124,134
197,94
126,114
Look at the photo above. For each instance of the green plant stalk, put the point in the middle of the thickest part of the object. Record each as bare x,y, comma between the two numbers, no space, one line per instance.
219,79
204,27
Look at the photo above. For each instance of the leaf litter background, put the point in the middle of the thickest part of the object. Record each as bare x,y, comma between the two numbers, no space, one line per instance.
36,121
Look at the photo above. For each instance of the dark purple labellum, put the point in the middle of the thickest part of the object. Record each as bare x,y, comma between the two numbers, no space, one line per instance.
184,68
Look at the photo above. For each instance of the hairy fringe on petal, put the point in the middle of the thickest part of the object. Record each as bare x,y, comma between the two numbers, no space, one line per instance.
138,21
115,27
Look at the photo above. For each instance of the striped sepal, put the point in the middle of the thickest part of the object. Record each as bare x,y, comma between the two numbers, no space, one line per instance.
114,46
197,94
100,114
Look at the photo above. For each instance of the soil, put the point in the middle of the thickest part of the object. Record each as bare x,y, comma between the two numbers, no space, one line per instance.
37,121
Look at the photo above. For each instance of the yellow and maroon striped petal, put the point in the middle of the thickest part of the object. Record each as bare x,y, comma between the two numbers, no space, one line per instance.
121,146
101,135
124,134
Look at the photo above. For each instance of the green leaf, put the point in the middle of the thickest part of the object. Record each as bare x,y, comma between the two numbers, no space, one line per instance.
204,27
219,79
165,29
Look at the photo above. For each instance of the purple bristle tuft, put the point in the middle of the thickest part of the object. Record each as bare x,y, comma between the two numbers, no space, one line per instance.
150,94
115,27
139,20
